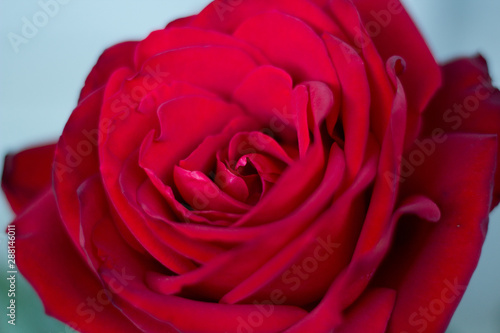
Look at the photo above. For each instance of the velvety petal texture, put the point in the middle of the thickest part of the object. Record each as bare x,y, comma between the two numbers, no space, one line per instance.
21,182
264,166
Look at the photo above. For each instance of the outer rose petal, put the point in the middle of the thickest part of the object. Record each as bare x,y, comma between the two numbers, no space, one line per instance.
467,103
431,264
71,167
119,55
304,56
173,310
401,37
26,175
43,245
226,16
371,313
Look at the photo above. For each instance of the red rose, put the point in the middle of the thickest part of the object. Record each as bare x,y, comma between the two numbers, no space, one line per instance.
264,166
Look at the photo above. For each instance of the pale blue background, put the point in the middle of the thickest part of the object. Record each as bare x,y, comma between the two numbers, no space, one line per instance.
40,84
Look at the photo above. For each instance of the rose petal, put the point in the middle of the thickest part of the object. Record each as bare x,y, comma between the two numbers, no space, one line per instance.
117,56
175,141
226,15
201,66
76,160
26,175
356,101
382,94
181,22
371,313
454,243
372,244
304,56
128,206
272,108
467,103
93,207
130,119
398,35
350,283
41,251
211,317
202,194
126,269
203,158
175,38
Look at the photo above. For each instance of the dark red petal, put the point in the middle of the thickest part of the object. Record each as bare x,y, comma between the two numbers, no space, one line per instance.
175,38
200,252
304,56
184,123
48,259
203,158
384,195
183,214
117,56
227,15
129,209
356,101
233,184
445,253
26,175
374,239
128,122
350,283
371,313
467,103
247,143
134,296
201,193
124,266
201,66
312,103
394,33
272,109
382,94
210,317
76,160
93,207
320,3
180,22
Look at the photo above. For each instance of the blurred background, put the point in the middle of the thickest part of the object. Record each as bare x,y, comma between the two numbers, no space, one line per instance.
41,80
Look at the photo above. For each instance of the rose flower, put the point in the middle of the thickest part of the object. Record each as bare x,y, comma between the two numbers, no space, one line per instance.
264,166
